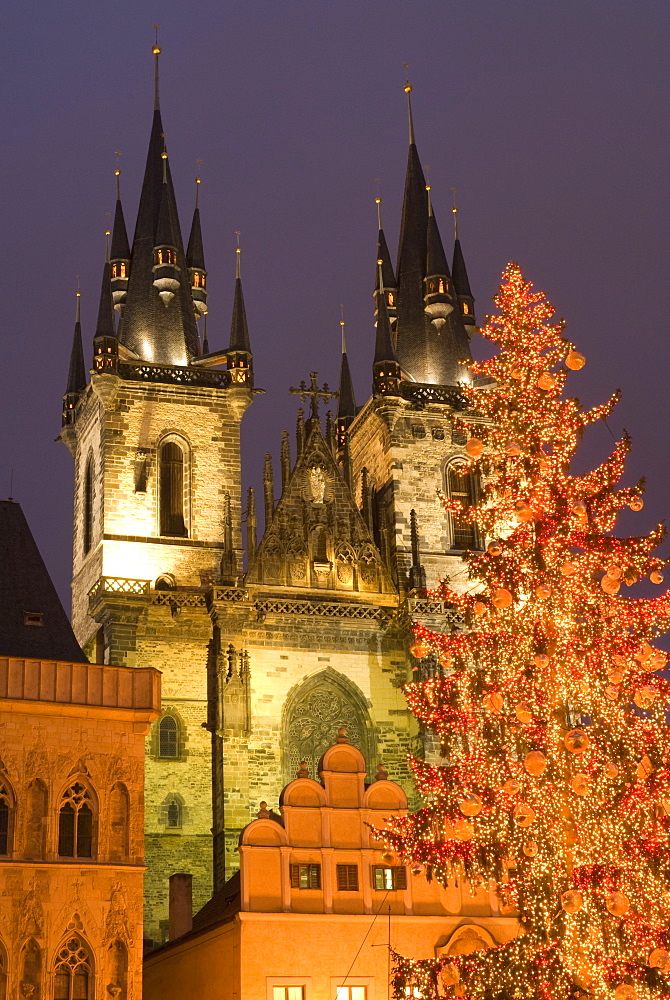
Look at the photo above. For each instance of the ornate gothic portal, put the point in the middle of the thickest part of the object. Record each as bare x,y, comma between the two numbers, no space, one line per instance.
318,708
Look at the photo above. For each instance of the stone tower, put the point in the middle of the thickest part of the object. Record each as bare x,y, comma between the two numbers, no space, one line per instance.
155,437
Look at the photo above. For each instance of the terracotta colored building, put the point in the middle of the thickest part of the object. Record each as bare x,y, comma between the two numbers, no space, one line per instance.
71,795
317,901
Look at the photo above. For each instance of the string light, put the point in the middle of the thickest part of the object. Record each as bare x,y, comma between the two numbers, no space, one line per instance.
551,705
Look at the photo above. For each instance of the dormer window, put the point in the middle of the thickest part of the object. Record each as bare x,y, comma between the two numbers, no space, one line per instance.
119,269
466,309
198,279
442,289
33,618
391,299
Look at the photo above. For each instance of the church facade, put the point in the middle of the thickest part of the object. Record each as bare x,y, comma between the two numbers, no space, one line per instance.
266,645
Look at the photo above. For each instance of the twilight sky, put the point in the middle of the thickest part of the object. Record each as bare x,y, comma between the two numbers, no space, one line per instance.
549,117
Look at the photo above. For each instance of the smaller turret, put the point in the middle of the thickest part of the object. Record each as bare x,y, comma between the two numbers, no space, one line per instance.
166,270
195,261
386,372
437,288
385,283
459,271
119,257
346,407
105,342
76,378
239,357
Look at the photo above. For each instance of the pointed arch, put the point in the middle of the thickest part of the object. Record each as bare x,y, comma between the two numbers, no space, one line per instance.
119,818
168,739
117,965
73,969
4,971
87,504
314,711
30,966
174,465
37,811
78,820
7,814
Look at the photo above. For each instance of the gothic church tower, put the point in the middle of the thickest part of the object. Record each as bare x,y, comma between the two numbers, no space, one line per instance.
155,437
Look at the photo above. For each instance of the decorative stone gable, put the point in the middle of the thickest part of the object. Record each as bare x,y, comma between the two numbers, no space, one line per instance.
317,538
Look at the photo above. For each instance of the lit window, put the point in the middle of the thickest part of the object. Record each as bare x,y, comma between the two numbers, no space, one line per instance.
168,733
305,876
441,285
347,878
351,993
389,878
73,971
461,486
466,309
391,299
288,993
75,823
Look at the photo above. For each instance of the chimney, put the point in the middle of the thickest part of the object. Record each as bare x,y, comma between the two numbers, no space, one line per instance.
180,905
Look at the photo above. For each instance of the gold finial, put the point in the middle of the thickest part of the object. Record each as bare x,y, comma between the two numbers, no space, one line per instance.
108,233
428,188
378,203
342,325
238,256
455,214
156,50
77,318
198,182
408,90
117,173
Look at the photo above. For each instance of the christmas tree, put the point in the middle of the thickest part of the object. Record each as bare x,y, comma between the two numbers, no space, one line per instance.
549,705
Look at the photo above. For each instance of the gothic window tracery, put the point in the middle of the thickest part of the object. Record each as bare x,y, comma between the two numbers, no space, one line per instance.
319,708
75,823
6,815
73,972
168,738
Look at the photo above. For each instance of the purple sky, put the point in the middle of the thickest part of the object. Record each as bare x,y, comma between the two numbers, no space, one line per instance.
550,118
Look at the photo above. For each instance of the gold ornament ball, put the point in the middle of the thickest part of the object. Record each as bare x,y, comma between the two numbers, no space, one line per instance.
612,692
614,572
644,653
541,660
450,974
474,447
542,592
535,763
611,770
657,660
644,769
572,901
616,675
419,650
575,361
568,568
494,549
517,374
624,991
470,804
502,598
417,870
445,660
637,503
659,959
645,697
617,904
610,586
531,849
479,608
576,741
523,513
493,702
463,830
511,786
580,784
619,660
513,449
523,815
524,713
388,857
546,381
656,577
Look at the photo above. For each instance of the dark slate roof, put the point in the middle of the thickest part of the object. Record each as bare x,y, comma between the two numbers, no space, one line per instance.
163,336
120,246
239,331
25,586
383,254
425,353
346,406
223,906
105,326
459,272
76,376
195,254
383,341
436,259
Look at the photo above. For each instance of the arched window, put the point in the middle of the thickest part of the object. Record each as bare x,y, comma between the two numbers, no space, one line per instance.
6,817
31,968
320,544
315,711
168,737
119,812
88,507
118,970
462,487
171,486
174,813
75,823
73,972
36,825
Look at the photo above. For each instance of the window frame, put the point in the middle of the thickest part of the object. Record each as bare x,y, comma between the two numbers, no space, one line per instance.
168,719
7,796
180,442
468,499
398,878
72,969
300,982
343,878
344,992
87,806
313,875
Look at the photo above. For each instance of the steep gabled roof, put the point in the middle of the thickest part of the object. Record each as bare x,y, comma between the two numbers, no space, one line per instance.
28,595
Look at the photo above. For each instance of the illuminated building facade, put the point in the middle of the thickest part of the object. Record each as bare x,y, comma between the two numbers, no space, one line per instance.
71,795
260,665
296,922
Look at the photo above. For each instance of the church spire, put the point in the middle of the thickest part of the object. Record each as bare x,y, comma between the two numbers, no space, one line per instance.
156,333
240,361
346,407
119,255
430,340
195,259
385,280
386,372
76,376
461,281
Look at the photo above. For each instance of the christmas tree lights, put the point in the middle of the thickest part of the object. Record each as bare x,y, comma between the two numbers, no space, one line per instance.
550,706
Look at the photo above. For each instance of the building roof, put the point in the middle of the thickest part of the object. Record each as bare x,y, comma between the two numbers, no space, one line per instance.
26,589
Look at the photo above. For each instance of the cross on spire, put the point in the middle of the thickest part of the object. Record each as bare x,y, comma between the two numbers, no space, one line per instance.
314,393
